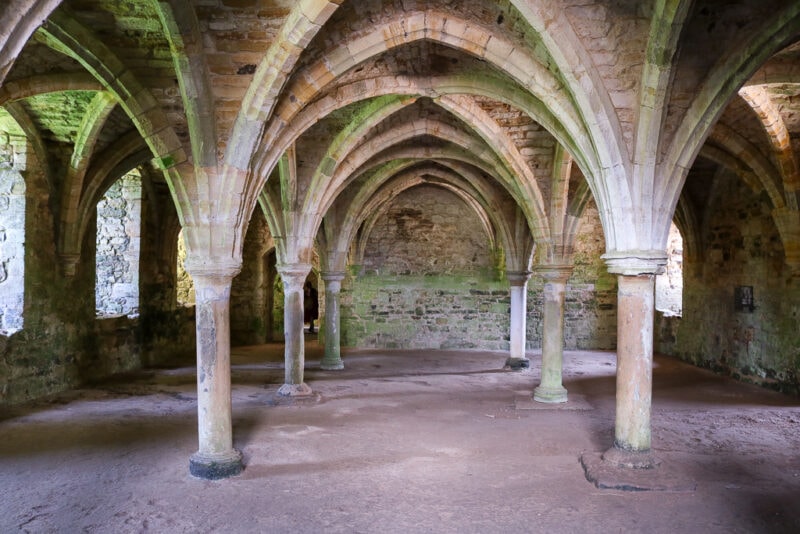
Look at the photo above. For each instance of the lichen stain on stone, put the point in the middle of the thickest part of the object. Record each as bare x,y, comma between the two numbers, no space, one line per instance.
57,114
410,222
207,333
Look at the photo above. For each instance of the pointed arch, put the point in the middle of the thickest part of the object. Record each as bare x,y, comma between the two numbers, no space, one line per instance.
727,76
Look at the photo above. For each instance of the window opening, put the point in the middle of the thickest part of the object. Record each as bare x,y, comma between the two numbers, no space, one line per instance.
669,285
185,291
119,223
12,233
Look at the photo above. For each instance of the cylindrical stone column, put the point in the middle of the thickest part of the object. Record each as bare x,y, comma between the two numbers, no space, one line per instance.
519,310
332,359
216,458
293,277
551,389
635,314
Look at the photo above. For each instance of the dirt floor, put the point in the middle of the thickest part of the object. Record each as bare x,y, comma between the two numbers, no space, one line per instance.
400,441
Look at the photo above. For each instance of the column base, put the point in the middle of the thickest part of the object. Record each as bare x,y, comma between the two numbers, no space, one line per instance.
629,459
517,364
550,395
674,478
216,466
295,390
333,365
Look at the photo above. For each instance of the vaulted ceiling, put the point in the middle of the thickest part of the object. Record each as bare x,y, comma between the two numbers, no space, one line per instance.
320,112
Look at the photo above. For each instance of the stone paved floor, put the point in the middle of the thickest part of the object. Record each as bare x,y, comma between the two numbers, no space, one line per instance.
400,441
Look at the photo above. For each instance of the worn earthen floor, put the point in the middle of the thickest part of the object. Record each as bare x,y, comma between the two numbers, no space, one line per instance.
400,441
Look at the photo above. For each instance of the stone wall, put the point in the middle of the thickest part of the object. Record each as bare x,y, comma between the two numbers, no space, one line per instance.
440,289
277,307
426,279
741,247
427,231
165,330
62,345
119,221
590,302
250,291
55,349
414,312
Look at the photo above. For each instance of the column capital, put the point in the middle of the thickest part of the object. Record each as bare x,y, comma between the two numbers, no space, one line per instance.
333,280
553,273
294,269
332,276
294,274
518,278
635,262
212,266
212,276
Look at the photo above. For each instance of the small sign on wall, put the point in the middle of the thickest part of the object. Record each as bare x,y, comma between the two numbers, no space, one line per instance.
743,296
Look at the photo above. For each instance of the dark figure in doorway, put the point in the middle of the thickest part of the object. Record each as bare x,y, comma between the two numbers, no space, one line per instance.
310,306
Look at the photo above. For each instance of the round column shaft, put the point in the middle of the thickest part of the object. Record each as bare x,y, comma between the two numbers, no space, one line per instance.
551,389
216,458
634,362
332,359
519,310
635,313
293,277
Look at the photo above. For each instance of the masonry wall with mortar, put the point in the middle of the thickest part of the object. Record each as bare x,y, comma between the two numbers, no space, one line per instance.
251,290
430,280
119,221
166,329
62,345
590,302
740,247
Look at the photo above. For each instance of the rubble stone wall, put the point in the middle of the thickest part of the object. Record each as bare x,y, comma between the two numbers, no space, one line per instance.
428,281
62,344
741,248
119,222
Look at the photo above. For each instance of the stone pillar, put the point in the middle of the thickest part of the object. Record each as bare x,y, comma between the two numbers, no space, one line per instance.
216,457
635,313
294,276
519,311
551,388
332,360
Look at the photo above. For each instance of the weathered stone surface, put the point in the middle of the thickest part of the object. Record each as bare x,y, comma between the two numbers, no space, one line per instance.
466,308
252,290
62,344
425,312
539,119
665,477
427,230
740,247
185,286
118,244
